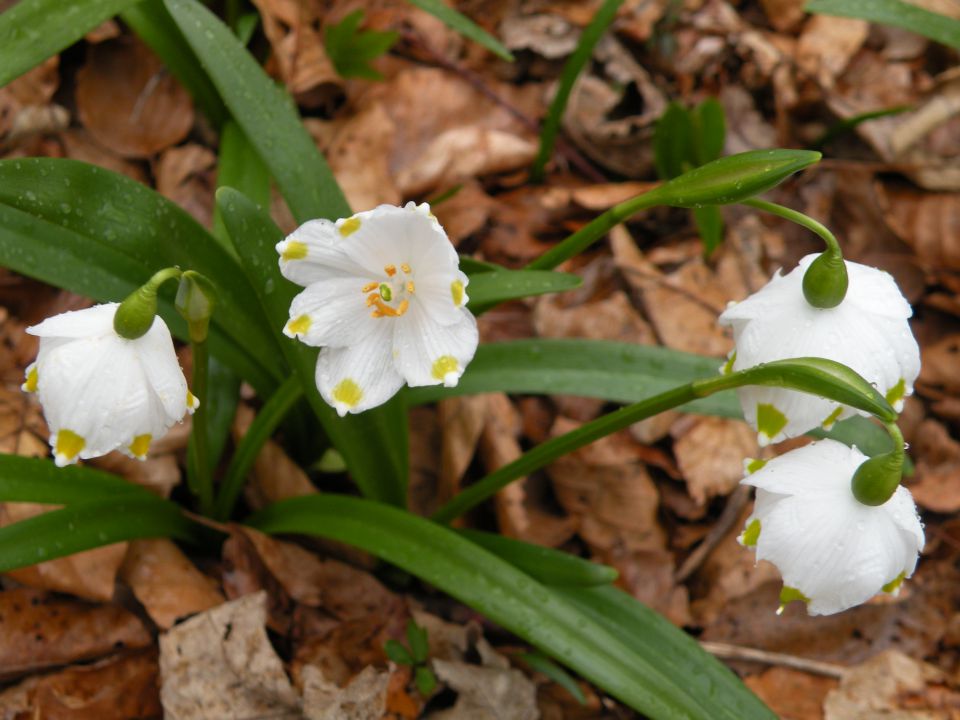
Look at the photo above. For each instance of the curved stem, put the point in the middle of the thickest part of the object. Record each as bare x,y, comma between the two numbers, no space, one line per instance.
799,218
896,436
262,428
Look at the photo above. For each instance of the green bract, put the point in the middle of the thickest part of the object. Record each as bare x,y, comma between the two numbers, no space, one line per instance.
825,282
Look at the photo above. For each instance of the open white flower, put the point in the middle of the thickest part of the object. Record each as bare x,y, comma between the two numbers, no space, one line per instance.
869,332
101,392
832,551
384,298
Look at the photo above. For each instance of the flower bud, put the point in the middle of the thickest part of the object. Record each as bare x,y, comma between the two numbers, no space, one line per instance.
195,299
825,281
134,317
878,478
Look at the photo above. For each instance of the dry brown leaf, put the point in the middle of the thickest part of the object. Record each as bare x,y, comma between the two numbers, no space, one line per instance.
792,694
934,484
42,631
612,318
89,574
548,35
710,453
79,145
783,14
26,100
129,102
466,213
363,698
220,664
166,583
827,44
461,421
425,493
925,221
185,175
486,693
940,360
116,688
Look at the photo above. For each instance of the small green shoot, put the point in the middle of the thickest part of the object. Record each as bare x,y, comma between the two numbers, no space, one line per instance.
351,50
415,656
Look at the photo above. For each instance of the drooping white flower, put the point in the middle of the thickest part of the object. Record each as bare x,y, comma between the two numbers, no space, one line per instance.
101,392
869,332
832,551
384,298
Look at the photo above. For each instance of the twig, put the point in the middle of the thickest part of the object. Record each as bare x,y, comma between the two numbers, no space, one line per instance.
564,148
735,504
735,652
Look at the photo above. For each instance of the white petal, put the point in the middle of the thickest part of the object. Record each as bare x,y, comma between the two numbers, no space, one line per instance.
164,375
314,253
428,353
361,376
336,312
443,295
96,320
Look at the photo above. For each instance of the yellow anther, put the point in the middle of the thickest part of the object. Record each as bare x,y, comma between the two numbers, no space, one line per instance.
68,444
370,286
140,445
390,270
384,310
349,226
294,250
31,382
405,268
410,286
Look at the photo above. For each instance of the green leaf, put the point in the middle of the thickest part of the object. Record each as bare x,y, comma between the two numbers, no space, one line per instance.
841,127
518,603
897,13
673,142
709,222
733,178
571,70
397,652
150,20
425,680
546,565
89,525
489,288
38,480
265,112
709,131
109,238
417,637
373,443
351,49
543,664
463,25
33,30
649,634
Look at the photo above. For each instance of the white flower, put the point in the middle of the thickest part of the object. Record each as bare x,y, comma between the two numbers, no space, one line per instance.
868,332
101,392
832,551
384,298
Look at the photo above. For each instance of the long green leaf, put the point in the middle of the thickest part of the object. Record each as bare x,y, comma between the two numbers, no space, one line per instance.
265,112
515,601
88,525
489,288
33,30
38,480
463,25
113,225
900,14
374,443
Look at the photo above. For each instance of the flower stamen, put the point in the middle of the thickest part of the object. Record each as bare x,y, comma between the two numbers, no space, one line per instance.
369,287
384,310
405,268
390,270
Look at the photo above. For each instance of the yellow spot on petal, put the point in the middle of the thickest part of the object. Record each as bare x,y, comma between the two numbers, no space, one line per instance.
456,292
896,393
297,326
294,250
894,585
349,226
832,418
788,595
141,443
443,366
31,384
68,445
770,422
347,392
751,465
750,534
192,402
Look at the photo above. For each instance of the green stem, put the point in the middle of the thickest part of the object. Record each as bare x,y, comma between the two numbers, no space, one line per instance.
594,230
260,430
199,472
833,247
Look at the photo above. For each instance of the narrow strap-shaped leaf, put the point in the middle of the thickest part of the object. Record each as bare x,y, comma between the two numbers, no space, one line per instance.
88,525
463,25
897,13
38,480
150,20
265,112
489,288
513,600
374,443
33,30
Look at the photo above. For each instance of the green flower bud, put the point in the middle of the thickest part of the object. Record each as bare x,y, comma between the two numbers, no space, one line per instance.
825,282
135,315
195,299
877,479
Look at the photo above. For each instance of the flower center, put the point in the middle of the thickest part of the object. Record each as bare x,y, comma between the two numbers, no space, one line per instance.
390,298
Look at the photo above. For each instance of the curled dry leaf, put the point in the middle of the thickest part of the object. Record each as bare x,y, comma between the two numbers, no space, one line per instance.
42,631
26,100
129,102
166,583
116,688
827,44
220,664
90,574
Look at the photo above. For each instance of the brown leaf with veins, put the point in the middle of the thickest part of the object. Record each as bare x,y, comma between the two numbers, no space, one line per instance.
710,452
792,694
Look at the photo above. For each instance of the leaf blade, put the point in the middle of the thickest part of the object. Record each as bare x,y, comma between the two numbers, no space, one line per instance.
464,25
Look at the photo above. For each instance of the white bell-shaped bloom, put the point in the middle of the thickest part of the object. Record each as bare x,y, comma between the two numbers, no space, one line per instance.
869,332
101,392
832,551
384,298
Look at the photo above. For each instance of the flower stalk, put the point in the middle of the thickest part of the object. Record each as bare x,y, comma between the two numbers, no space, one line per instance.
134,316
